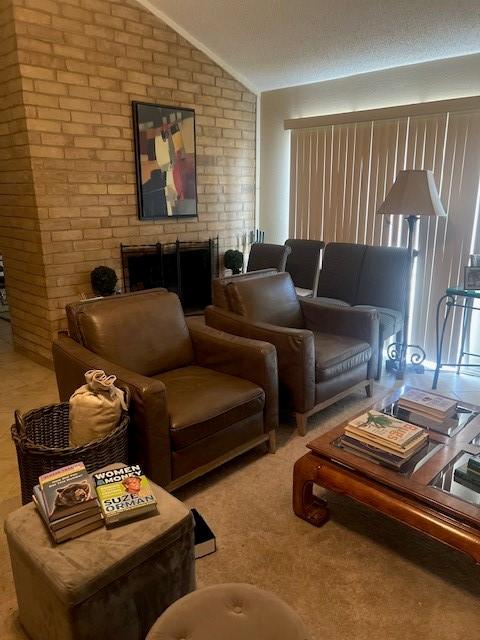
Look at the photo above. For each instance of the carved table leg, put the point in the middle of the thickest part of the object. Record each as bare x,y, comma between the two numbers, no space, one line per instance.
305,505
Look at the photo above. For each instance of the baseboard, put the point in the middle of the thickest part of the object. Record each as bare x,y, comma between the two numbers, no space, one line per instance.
32,355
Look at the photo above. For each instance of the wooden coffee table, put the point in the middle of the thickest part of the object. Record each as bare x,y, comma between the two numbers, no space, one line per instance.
425,496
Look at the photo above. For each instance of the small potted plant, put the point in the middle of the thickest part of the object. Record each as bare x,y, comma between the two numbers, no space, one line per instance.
233,260
104,281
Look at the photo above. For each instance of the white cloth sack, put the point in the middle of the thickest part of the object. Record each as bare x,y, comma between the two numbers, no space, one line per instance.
95,408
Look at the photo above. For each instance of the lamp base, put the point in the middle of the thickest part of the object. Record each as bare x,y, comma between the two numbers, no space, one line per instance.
397,359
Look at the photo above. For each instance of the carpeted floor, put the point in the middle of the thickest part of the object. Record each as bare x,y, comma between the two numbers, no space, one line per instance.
361,576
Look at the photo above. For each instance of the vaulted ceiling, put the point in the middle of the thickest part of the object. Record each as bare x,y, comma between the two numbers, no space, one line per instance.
271,44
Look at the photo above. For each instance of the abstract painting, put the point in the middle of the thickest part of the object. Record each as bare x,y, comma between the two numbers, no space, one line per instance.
165,161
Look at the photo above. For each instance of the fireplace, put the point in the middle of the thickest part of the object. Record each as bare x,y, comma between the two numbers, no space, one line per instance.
186,268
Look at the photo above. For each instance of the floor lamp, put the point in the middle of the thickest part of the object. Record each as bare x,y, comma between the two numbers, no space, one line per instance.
412,195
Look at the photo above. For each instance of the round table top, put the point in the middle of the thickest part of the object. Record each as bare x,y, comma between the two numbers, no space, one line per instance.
460,291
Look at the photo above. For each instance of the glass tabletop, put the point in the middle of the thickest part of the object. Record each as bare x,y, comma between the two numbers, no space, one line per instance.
449,483
476,440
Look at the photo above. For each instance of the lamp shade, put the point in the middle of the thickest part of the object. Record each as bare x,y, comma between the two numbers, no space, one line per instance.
413,193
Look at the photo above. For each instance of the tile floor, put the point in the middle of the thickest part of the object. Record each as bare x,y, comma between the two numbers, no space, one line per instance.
24,385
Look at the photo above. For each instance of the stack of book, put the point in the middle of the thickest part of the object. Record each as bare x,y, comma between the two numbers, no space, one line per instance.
428,409
384,438
124,493
469,474
67,502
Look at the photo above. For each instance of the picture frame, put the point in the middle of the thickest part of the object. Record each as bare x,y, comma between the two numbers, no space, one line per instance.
471,279
165,161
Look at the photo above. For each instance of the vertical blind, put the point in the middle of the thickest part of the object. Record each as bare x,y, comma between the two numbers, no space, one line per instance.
341,173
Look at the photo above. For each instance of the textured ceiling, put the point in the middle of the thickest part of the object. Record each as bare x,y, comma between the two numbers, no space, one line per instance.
279,43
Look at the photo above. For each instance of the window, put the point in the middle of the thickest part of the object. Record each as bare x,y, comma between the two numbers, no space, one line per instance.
342,171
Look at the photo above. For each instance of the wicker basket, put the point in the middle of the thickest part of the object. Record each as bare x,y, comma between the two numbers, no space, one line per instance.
41,438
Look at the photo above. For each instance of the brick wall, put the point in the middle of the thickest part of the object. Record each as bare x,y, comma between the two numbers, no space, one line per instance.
20,235
81,64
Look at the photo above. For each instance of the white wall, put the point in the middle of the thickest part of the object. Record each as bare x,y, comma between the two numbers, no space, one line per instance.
439,80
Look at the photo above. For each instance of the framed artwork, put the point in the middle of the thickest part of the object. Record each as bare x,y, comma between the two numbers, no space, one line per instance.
472,279
165,161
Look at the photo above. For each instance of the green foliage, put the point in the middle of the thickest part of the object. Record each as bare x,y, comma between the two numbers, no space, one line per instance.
379,421
233,260
104,280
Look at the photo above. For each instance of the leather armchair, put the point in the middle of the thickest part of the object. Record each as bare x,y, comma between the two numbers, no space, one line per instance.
363,277
199,397
324,352
265,260
219,298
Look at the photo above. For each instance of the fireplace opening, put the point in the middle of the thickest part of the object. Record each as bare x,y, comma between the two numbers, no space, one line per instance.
186,268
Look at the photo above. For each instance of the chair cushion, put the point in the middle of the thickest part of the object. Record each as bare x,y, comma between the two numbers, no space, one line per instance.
144,332
271,300
236,611
391,320
335,355
202,401
303,293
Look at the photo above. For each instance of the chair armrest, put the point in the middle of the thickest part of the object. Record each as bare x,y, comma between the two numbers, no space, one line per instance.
149,437
249,359
343,321
295,354
362,324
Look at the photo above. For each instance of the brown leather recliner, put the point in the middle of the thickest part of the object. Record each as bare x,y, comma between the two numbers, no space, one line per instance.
265,260
219,298
324,352
199,397
363,276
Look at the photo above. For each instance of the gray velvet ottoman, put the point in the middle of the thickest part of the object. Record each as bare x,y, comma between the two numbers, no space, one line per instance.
105,584
229,612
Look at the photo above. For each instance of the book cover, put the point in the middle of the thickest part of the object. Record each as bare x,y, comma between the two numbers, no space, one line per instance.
386,428
389,457
400,452
55,525
77,530
473,472
429,403
205,542
467,483
124,493
90,520
442,425
464,473
430,413
387,446
474,463
67,490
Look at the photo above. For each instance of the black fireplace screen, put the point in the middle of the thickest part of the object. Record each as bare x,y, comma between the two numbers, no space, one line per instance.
186,268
